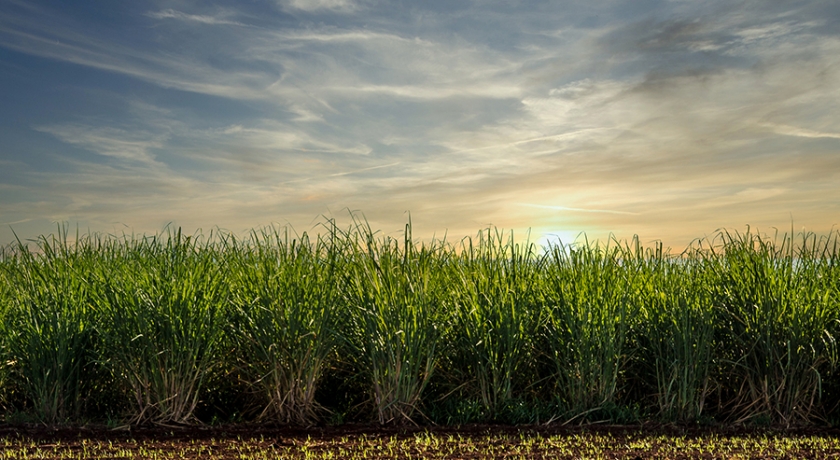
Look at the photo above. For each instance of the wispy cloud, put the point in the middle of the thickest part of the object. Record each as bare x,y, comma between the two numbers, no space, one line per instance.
347,173
566,208
106,141
801,132
16,222
343,6
269,134
327,177
199,18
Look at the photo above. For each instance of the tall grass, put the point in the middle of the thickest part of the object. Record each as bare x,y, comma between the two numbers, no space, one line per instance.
286,301
496,316
678,316
163,307
6,358
394,330
48,323
779,315
593,293
739,327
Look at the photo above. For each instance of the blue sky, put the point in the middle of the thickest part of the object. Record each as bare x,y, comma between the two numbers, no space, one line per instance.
667,119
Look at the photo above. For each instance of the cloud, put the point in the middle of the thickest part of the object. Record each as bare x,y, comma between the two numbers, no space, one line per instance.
202,19
271,135
333,35
303,69
430,92
347,173
17,222
800,132
110,142
774,31
566,208
340,6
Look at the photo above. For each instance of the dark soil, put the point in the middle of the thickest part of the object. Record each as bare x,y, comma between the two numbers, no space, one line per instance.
467,442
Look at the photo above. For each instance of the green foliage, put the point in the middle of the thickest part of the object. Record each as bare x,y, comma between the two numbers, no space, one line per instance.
163,302
308,329
6,358
393,329
678,318
592,295
48,323
286,302
778,321
495,317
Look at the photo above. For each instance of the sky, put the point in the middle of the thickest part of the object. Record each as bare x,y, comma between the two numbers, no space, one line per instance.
667,119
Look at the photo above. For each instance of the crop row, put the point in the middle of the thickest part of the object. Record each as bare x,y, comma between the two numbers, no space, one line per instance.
350,324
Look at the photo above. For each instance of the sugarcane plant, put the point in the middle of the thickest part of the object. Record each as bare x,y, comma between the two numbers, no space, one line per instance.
286,310
163,299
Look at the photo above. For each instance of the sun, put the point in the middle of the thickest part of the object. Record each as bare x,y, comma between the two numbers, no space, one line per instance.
554,237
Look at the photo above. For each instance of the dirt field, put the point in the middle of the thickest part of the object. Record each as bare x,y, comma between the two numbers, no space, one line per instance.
366,442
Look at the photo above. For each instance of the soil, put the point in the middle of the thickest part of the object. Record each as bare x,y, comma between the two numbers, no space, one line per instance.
464,442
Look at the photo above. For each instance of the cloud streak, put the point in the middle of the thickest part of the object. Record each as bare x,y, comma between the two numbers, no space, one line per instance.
566,208
199,18
343,6
801,132
109,142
